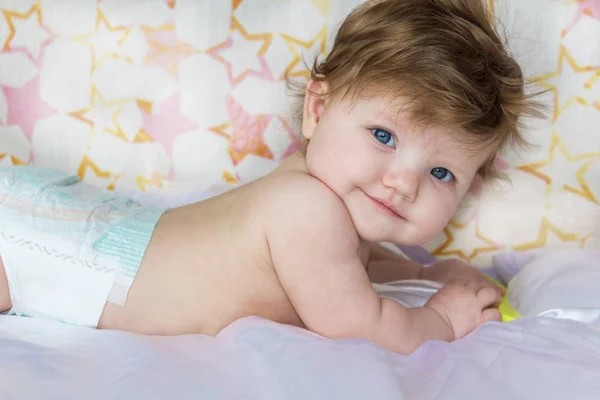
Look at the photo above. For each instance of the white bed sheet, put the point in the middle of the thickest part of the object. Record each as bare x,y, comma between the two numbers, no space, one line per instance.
532,358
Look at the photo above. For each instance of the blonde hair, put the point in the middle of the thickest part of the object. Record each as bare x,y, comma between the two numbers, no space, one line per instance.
443,56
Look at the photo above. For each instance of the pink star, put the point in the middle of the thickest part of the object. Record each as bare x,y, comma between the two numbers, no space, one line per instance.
591,8
165,125
25,107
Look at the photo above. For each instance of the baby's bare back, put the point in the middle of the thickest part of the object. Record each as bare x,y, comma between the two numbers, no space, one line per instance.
207,265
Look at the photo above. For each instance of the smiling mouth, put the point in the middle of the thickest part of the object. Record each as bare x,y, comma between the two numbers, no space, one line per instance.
379,204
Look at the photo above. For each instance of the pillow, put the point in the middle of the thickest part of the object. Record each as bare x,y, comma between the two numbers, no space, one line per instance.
188,91
557,284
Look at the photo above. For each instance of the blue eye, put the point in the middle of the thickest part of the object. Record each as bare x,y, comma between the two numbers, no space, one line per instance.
442,174
384,137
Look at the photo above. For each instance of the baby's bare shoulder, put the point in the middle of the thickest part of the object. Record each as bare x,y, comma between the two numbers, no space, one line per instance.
299,202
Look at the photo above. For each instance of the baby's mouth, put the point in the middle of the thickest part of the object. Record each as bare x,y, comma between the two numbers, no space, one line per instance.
385,207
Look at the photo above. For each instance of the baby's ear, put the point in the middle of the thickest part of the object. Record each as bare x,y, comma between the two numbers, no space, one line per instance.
314,106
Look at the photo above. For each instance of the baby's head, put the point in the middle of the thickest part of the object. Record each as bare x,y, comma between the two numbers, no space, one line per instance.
413,103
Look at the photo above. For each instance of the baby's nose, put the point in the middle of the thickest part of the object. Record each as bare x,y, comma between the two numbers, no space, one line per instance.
406,183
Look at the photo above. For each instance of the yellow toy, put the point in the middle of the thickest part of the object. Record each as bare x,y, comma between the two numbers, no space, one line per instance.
509,313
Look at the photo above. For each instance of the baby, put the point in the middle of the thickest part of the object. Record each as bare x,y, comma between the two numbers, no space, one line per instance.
406,113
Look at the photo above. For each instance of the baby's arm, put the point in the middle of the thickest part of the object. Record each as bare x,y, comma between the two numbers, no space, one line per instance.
385,266
314,249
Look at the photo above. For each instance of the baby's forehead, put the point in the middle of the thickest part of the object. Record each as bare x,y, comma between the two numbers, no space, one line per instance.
395,114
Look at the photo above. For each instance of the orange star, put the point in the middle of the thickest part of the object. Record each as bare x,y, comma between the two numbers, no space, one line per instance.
446,248
585,160
542,81
9,16
244,133
318,44
87,164
542,238
265,38
235,4
14,160
222,130
230,178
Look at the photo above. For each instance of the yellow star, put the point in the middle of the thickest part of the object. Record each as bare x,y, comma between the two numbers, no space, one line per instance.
323,6
593,79
240,53
104,41
168,56
584,162
87,164
585,239
102,115
145,105
449,248
586,74
542,239
315,45
142,137
155,181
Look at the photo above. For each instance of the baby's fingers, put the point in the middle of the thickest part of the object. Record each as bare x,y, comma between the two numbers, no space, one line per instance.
501,292
490,314
487,297
485,282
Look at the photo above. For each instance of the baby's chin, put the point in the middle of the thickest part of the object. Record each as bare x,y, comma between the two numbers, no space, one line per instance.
405,236
413,236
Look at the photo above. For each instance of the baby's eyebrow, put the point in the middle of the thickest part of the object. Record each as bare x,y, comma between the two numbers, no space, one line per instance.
454,159
393,116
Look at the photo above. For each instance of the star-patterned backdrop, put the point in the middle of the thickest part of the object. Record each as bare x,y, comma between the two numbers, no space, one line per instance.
145,95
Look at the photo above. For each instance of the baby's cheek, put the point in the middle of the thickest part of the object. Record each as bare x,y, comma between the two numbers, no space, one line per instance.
435,222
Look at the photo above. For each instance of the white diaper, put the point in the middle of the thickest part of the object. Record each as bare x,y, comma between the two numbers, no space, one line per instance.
67,247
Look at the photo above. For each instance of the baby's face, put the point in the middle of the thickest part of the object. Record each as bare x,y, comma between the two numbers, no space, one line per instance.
399,184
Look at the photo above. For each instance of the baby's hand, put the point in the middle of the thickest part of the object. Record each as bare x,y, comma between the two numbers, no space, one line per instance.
456,270
464,307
